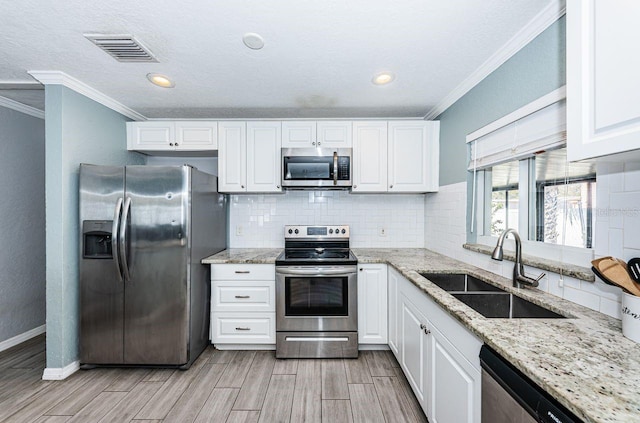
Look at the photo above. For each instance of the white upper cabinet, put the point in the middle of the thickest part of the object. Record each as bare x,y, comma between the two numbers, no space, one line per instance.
370,156
249,156
232,156
299,133
603,88
312,134
413,154
263,156
160,136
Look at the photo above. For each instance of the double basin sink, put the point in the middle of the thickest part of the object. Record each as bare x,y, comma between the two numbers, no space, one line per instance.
487,299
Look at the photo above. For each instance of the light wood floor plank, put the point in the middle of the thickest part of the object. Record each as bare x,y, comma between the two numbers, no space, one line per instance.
357,371
243,417
334,380
18,354
336,411
133,403
98,408
9,354
277,404
393,402
160,404
126,380
222,357
307,397
76,401
391,358
237,369
285,367
364,404
379,364
409,395
191,401
159,375
218,405
18,382
255,386
53,419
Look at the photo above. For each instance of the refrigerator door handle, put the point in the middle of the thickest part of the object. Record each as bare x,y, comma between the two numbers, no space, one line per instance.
123,239
114,237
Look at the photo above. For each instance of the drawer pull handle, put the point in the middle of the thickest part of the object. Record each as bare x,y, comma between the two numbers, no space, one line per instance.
243,296
243,271
243,328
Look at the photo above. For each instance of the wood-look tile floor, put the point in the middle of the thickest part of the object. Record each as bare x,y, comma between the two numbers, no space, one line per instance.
221,386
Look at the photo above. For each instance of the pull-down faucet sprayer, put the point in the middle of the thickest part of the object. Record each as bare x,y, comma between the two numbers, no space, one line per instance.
520,280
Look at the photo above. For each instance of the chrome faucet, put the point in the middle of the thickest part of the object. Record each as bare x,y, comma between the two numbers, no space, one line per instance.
520,280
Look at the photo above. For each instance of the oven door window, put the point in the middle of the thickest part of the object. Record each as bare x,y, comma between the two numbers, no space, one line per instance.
308,168
323,296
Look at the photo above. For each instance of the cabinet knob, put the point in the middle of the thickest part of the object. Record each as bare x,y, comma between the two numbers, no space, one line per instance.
241,186
427,331
318,142
171,144
361,269
390,186
423,326
278,186
176,144
313,143
355,186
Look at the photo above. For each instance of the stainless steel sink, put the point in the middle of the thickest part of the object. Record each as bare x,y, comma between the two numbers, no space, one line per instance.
460,282
489,300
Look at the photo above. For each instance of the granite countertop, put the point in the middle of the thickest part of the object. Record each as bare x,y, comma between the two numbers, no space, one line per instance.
583,361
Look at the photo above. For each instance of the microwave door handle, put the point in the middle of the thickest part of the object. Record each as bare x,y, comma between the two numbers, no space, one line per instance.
335,168
114,237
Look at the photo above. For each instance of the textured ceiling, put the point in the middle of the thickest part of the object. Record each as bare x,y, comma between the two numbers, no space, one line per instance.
318,60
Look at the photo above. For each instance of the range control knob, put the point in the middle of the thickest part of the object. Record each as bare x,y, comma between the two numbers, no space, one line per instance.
296,231
344,231
330,231
290,231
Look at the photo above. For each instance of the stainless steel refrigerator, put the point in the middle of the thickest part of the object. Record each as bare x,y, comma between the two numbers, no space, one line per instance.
144,293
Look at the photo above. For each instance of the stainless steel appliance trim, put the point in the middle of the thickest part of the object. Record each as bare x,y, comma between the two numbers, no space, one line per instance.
318,152
316,338
123,239
114,237
316,345
316,270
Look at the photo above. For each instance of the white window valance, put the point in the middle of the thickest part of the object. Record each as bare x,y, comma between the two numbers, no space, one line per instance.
538,126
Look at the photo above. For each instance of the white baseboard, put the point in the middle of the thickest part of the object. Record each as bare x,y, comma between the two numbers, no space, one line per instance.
57,373
373,347
19,339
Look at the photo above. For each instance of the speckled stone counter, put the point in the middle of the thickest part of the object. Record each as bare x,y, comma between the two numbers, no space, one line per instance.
583,361
244,255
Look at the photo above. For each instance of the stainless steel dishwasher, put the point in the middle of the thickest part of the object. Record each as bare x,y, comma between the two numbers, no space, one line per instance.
508,396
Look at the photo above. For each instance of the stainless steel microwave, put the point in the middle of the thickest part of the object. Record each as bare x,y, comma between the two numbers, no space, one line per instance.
316,168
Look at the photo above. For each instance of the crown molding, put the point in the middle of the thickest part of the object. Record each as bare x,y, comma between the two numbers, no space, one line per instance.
535,27
23,108
61,78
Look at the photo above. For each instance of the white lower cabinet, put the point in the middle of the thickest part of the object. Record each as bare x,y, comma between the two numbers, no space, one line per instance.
393,278
372,304
438,355
243,307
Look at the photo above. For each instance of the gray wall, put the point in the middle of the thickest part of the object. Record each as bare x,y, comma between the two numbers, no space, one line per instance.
78,130
536,70
22,267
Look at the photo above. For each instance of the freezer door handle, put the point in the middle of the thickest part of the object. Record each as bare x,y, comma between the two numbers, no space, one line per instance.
114,237
123,239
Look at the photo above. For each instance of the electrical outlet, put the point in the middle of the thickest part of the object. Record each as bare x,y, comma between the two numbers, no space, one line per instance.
239,230
382,232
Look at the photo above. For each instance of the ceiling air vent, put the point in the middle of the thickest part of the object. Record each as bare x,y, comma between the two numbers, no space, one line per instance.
123,48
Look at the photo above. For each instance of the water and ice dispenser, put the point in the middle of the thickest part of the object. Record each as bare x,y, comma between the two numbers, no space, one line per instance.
96,239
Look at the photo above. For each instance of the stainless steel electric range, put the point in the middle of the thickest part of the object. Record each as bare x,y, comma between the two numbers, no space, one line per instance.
316,294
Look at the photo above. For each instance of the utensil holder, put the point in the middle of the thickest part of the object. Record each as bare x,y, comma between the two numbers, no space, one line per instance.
631,316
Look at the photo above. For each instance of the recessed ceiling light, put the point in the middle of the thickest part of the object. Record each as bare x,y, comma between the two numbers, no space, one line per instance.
253,41
383,78
160,80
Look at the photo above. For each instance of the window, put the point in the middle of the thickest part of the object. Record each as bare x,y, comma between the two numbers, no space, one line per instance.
559,199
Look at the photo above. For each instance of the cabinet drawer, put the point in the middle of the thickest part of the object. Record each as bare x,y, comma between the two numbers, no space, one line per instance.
241,328
245,272
242,296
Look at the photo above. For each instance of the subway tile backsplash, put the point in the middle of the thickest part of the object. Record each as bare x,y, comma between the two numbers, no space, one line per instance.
375,220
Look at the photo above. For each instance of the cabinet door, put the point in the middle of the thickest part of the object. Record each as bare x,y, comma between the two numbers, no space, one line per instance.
334,134
300,133
197,135
413,350
394,311
454,385
263,156
413,156
372,304
158,136
232,157
369,156
603,88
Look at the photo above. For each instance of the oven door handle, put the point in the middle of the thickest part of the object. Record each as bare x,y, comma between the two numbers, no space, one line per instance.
316,271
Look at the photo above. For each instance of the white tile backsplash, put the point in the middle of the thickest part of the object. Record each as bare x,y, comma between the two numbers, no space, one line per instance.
257,221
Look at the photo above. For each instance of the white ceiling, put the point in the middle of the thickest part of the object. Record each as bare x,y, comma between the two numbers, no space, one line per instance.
318,60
